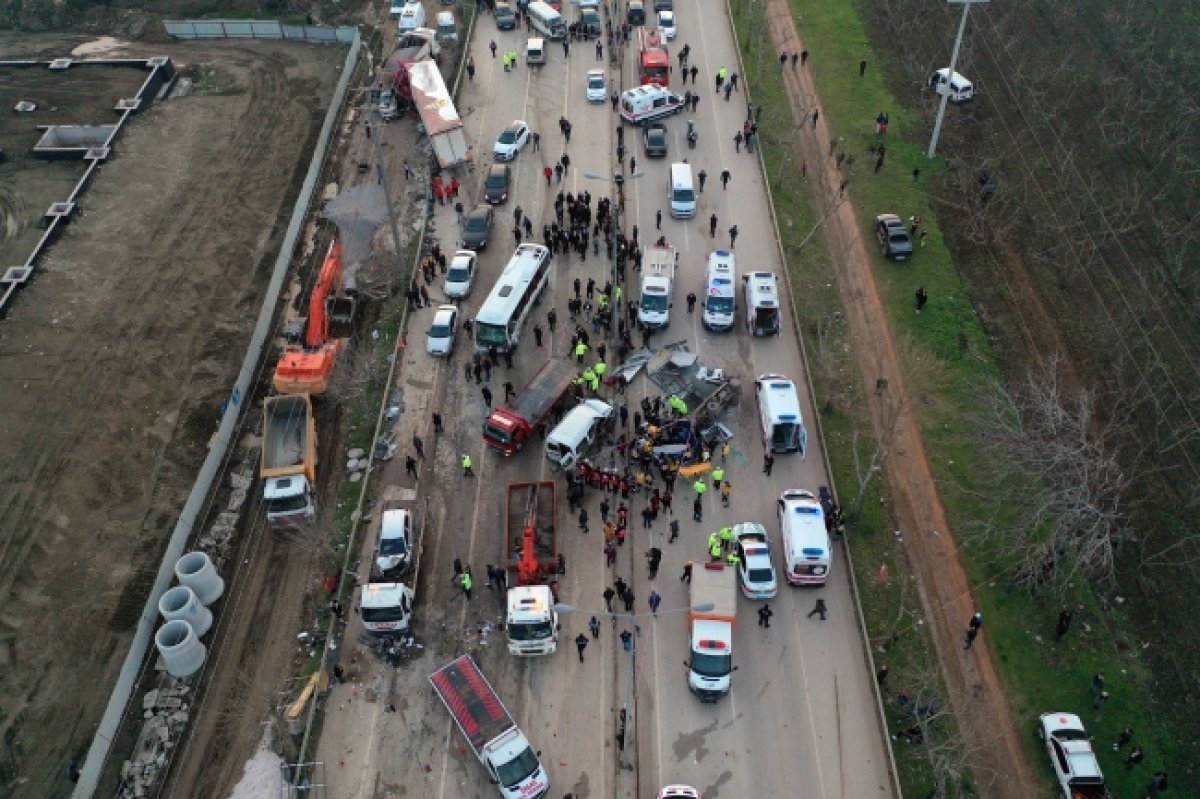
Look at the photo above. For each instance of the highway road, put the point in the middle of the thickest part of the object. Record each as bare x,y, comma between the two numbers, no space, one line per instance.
800,720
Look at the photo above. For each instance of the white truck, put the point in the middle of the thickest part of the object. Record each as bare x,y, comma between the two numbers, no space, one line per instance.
658,276
493,736
438,115
386,608
710,638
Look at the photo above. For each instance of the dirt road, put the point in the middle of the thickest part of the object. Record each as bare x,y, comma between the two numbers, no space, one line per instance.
994,749
116,360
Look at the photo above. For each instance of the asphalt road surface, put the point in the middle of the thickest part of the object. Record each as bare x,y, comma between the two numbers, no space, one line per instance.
800,720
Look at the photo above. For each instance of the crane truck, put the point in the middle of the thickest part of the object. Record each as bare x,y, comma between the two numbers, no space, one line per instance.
307,362
508,427
490,731
531,555
710,638
289,460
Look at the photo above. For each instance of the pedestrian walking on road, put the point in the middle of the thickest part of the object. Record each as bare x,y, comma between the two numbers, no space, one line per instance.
972,633
733,234
782,61
583,520
725,176
655,600
703,177
437,423
632,166
608,598
768,463
658,219
509,390
815,115
803,58
674,531
467,583
629,600
686,577
419,446
764,616
691,301
621,587
712,226
410,466
466,466
581,643
818,608
976,621
698,509
487,397
594,626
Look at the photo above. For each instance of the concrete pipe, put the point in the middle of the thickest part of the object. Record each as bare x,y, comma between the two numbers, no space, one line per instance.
182,603
181,650
197,572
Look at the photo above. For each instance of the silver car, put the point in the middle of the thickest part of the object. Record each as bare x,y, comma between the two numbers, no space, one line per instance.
440,339
460,275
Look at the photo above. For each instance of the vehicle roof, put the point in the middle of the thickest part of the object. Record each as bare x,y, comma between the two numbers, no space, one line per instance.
779,392
957,76
393,525
377,595
678,792
889,219
599,72
444,312
463,255
516,123
497,169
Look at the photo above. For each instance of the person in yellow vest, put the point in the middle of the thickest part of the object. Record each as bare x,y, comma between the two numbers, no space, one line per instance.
600,368
580,351
714,538
714,552
683,408
466,466
617,293
733,559
602,301
699,486
718,474
589,375
594,384
727,538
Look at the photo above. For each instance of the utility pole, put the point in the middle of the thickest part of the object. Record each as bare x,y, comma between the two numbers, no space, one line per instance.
374,135
962,26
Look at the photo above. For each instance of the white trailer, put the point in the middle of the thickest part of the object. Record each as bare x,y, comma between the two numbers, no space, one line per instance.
438,115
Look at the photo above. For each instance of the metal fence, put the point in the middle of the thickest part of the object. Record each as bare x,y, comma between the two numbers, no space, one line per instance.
256,29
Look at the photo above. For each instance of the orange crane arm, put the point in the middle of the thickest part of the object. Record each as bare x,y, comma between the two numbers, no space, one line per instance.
527,567
329,279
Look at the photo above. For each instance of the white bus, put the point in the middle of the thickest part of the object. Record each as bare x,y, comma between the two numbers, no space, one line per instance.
521,286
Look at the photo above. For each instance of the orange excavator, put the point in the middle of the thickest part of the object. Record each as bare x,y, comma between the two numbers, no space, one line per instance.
532,537
307,364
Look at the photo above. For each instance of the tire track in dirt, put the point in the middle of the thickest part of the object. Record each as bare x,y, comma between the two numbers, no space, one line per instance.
992,736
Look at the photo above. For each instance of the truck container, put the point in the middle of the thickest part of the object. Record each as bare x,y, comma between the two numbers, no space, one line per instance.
509,426
658,275
411,47
531,556
489,730
710,667
438,115
289,460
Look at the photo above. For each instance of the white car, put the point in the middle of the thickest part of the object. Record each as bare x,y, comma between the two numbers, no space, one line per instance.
1069,748
597,86
679,792
666,24
756,573
441,335
512,140
459,275
393,551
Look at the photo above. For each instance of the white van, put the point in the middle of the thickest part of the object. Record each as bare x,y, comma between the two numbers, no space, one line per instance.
779,413
807,548
447,30
762,304
412,16
535,51
720,296
574,435
681,191
649,102
957,86
548,21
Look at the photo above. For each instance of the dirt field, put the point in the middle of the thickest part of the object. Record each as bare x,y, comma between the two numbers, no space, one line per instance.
117,358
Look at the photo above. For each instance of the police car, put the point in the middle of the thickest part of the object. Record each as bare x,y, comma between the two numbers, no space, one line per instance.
756,573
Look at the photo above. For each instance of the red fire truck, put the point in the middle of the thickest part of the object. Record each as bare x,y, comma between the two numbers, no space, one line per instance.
654,62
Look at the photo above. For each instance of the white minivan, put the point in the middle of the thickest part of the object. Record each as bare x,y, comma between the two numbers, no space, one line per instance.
546,20
720,295
779,414
681,191
957,86
412,16
807,547
571,438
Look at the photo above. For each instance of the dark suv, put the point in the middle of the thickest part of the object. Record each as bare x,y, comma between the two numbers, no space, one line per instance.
654,139
495,188
894,241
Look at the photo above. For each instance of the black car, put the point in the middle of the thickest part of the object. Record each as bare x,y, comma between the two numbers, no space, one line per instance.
654,140
894,241
664,5
477,227
495,188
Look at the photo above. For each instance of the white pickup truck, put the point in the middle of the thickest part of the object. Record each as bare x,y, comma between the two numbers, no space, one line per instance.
1071,756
